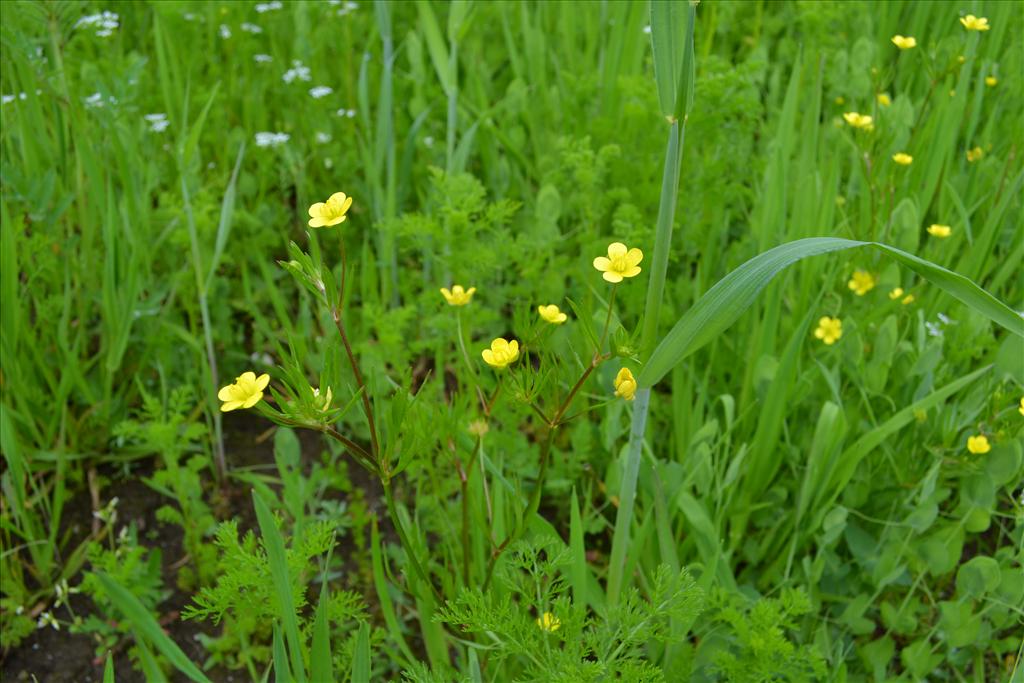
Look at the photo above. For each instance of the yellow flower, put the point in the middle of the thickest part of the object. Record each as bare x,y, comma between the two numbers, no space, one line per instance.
896,293
620,263
829,330
244,393
501,353
861,282
625,384
457,296
549,622
991,81
975,154
908,299
861,121
840,100
961,59
940,231
904,42
973,23
902,158
1021,409
883,99
552,315
331,212
978,445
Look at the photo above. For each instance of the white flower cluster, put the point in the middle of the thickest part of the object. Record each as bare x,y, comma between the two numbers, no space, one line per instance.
320,91
268,6
349,113
105,23
96,100
271,139
225,31
298,70
263,59
6,99
157,122
323,138
251,28
347,8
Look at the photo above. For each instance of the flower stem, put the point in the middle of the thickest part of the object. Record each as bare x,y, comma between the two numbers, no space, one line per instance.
403,537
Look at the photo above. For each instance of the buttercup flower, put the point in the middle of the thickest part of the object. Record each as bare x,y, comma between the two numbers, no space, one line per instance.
620,263
898,292
978,445
861,282
457,296
245,392
552,315
975,154
502,353
625,384
973,23
331,212
860,121
829,330
1021,409
549,622
991,81
904,42
883,99
903,159
940,231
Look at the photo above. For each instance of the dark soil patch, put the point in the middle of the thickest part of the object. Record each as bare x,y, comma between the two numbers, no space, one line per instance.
62,657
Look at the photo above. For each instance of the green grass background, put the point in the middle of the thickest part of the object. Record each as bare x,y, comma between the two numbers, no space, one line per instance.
504,149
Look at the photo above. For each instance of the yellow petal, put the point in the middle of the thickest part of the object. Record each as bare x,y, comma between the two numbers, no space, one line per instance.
317,222
253,400
230,405
602,263
634,256
631,272
338,198
611,276
616,249
513,347
488,356
225,393
262,381
316,210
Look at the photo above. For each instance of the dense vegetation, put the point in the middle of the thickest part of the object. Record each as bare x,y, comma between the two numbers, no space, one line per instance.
811,470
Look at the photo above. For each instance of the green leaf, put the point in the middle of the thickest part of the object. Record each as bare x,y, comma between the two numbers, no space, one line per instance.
977,577
108,669
732,295
320,652
146,628
361,656
274,544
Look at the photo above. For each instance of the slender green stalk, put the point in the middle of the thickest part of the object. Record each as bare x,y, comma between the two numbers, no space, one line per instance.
652,310
389,497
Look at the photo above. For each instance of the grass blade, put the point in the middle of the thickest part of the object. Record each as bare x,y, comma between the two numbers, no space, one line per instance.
146,628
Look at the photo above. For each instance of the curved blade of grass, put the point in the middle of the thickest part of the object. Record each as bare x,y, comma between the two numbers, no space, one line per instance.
361,656
146,628
108,669
274,544
282,672
380,583
320,653
732,295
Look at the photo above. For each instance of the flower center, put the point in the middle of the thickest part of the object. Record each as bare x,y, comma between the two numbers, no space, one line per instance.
619,263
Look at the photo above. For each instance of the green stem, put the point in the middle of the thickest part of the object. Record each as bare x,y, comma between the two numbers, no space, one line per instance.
403,537
652,313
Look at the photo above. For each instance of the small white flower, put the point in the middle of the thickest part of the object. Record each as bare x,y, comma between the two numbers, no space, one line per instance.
225,31
946,320
428,141
263,59
7,99
647,29
323,138
934,329
267,139
46,619
320,91
95,100
251,28
268,6
298,70
328,164
189,16
158,123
